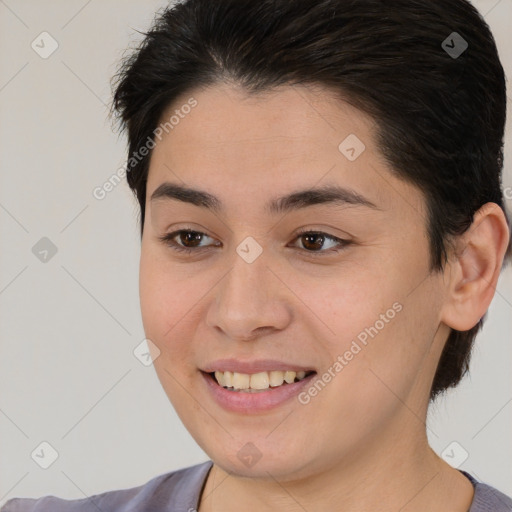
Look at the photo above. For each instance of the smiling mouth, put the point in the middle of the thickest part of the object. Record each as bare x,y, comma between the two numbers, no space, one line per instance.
257,382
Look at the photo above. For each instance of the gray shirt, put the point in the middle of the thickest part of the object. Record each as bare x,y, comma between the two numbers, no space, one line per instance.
179,491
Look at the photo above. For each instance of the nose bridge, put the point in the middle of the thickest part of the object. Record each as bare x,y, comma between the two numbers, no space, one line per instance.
247,301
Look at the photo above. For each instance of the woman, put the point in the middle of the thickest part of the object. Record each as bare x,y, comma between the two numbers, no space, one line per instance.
322,231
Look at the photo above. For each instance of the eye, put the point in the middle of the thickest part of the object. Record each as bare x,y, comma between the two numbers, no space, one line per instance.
185,236
314,240
189,240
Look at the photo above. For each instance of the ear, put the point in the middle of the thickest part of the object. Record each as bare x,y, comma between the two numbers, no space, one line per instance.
473,270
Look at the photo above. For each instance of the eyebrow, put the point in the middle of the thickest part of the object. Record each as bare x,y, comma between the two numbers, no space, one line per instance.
328,194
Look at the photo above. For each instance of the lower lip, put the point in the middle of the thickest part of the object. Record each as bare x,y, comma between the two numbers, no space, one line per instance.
239,401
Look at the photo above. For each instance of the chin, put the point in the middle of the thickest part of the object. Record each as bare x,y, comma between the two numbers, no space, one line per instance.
265,468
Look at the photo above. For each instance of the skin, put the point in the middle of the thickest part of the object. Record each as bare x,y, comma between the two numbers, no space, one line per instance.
361,443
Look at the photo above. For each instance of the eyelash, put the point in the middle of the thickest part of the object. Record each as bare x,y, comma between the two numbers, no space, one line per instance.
168,240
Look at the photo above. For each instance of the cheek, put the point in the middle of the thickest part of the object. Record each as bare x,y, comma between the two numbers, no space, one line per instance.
391,361
163,300
168,322
349,304
172,307
151,291
164,292
382,324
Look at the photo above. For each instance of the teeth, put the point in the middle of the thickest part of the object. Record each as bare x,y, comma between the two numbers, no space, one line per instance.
289,376
228,379
261,380
276,378
240,381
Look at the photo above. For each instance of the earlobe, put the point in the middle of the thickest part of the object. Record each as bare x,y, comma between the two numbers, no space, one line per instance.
475,268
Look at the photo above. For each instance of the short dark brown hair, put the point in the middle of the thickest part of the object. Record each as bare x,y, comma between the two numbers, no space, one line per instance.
428,73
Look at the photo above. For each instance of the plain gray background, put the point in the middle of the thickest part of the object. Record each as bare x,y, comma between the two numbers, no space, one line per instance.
68,375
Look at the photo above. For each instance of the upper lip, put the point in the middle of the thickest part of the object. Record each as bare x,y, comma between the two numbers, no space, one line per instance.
254,366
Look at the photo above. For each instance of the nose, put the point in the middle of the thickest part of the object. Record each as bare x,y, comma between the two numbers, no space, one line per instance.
250,302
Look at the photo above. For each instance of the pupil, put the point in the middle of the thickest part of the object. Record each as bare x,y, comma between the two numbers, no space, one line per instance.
319,237
191,237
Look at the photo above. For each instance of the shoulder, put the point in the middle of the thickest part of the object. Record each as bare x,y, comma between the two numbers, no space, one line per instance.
176,490
488,498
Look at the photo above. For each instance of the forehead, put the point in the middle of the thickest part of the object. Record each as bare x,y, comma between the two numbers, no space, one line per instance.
283,120
287,139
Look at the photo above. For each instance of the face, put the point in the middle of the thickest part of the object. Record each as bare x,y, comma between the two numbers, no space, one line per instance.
348,308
